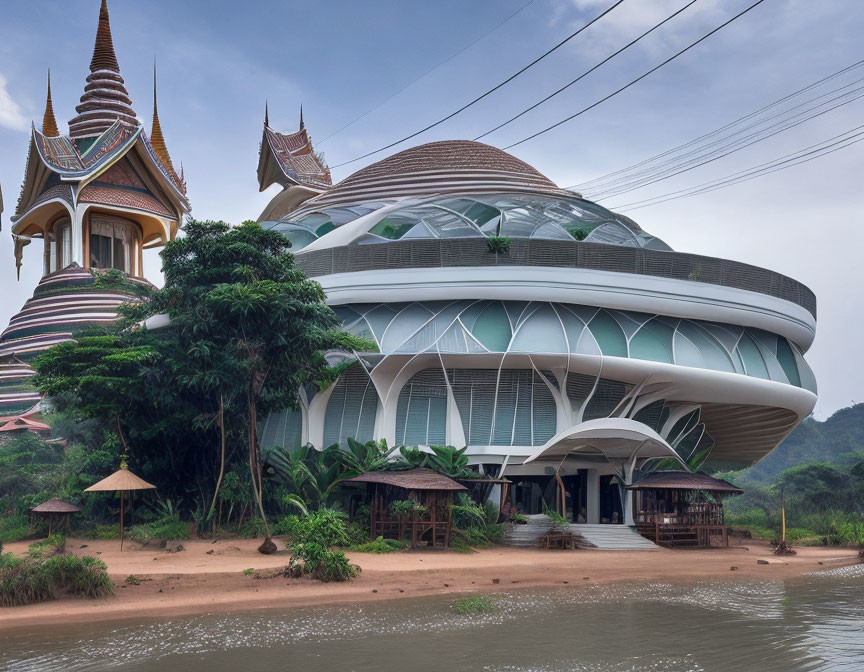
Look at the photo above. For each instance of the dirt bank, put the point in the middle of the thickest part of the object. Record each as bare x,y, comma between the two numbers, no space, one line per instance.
208,577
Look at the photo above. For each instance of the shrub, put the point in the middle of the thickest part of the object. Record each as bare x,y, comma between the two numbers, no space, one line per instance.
104,532
286,526
165,529
478,604
14,528
53,545
498,244
474,524
317,533
252,528
36,580
380,545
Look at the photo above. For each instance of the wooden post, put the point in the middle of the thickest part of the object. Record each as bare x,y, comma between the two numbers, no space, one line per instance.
121,520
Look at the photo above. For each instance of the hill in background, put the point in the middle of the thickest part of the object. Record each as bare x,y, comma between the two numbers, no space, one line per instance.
835,440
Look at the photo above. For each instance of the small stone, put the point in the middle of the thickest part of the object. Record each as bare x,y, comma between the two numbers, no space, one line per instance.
210,552
821,563
160,590
374,590
761,562
561,582
98,552
496,580
401,591
446,585
586,578
83,546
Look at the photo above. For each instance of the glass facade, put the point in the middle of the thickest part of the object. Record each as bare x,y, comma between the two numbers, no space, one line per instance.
477,216
543,327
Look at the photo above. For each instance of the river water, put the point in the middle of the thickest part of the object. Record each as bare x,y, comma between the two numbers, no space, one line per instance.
812,623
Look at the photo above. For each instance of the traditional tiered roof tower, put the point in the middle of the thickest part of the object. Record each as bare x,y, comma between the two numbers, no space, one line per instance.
96,198
290,159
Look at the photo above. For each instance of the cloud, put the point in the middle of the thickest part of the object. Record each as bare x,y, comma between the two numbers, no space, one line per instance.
10,112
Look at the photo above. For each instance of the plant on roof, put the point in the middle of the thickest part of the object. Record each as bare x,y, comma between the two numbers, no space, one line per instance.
498,244
578,232
450,461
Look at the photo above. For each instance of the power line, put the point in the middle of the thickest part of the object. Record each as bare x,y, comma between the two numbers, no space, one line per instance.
587,72
638,79
428,72
834,75
815,151
725,151
493,89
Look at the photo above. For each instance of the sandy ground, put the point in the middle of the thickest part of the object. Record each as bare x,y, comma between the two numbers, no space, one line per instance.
208,577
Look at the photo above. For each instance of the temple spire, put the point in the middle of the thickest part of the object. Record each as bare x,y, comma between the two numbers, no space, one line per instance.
301,116
266,114
157,140
104,57
49,123
105,97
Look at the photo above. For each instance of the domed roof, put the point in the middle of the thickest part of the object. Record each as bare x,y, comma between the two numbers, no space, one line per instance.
450,166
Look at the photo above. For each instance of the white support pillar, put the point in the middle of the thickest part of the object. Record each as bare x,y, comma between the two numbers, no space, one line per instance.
627,504
592,500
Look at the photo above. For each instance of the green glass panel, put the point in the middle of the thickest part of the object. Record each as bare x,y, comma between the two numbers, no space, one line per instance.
753,361
480,213
492,328
653,342
393,228
608,334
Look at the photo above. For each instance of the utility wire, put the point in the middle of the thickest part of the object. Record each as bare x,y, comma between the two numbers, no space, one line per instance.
823,148
648,171
428,72
834,75
710,157
493,89
587,72
638,79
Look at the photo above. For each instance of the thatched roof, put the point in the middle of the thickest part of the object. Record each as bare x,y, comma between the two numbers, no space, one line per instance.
409,479
55,506
684,480
122,479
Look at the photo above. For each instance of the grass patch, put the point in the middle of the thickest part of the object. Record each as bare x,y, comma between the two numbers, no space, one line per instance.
37,580
379,545
477,604
53,545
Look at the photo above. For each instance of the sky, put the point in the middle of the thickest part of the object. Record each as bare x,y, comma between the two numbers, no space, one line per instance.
400,65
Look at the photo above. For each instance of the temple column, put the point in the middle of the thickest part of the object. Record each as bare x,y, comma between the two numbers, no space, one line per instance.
592,505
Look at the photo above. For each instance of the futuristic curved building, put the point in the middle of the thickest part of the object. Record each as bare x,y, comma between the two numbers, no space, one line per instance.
585,351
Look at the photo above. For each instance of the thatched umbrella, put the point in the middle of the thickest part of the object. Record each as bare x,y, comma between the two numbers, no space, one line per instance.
55,507
121,481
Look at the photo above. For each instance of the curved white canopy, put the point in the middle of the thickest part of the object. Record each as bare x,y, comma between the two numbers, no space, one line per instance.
618,439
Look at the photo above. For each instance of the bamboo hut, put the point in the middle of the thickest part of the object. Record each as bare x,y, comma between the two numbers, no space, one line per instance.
429,522
679,508
54,510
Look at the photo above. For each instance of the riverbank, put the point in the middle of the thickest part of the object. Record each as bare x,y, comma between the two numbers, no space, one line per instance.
208,577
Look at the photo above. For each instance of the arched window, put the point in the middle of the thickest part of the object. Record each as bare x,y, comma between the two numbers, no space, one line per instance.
351,408
113,243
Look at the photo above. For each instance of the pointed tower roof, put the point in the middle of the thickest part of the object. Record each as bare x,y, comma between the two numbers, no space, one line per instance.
105,97
157,140
49,123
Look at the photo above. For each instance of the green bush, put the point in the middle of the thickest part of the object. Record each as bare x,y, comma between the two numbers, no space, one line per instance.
498,244
286,526
104,532
14,528
53,545
475,525
252,529
160,530
478,604
317,533
380,545
37,579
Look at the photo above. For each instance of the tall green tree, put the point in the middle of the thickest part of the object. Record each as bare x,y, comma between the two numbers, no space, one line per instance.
252,322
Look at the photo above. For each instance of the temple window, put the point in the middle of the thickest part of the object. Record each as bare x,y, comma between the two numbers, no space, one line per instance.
113,244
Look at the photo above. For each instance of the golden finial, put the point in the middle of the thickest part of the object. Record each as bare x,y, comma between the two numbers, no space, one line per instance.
49,123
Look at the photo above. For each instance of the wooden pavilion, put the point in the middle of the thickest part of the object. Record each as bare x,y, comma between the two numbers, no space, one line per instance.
54,510
431,493
679,508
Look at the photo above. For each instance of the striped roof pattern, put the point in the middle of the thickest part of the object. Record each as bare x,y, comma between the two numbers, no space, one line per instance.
63,303
450,166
